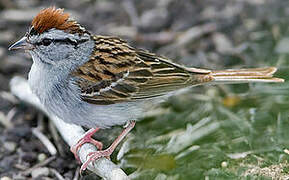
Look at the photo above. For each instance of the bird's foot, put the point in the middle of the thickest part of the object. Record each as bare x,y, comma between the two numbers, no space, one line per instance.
107,152
86,139
94,156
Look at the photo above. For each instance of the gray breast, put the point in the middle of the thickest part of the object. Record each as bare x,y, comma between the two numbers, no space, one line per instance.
61,96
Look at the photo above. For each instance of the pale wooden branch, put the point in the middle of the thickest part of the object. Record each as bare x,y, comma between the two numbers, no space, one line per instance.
70,133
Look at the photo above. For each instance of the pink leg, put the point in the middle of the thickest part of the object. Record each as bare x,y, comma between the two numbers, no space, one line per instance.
107,152
86,139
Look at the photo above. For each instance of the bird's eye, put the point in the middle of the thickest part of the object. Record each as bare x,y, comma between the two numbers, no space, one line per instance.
46,42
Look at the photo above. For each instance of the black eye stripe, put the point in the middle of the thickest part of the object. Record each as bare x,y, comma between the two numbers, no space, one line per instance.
63,41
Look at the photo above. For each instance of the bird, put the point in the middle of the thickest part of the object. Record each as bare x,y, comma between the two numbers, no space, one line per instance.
101,81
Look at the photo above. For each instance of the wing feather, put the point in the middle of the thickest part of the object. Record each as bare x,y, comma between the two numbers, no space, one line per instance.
117,72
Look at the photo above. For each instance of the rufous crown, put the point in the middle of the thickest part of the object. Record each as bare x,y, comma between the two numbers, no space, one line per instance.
51,17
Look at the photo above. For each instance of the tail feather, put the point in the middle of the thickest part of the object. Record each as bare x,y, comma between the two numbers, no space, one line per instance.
246,75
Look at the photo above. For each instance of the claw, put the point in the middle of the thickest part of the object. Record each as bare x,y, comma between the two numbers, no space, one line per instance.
107,152
86,139
95,156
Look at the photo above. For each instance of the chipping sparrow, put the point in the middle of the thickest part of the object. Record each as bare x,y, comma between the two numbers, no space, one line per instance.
100,81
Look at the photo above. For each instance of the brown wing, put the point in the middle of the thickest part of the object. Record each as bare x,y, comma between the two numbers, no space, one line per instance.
118,73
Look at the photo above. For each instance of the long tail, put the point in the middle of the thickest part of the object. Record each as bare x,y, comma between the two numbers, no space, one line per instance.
245,75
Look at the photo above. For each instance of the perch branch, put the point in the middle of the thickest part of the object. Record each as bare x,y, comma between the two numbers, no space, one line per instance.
70,133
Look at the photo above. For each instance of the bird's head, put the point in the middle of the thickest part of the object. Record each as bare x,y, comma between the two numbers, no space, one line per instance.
53,36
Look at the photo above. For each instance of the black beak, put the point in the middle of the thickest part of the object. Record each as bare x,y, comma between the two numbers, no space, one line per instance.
21,44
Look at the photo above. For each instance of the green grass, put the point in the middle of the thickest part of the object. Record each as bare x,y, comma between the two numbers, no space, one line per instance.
196,136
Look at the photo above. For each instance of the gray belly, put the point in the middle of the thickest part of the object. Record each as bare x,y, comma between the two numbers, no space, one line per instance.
67,105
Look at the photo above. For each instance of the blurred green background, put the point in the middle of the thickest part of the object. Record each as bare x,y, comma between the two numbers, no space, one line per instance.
209,132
